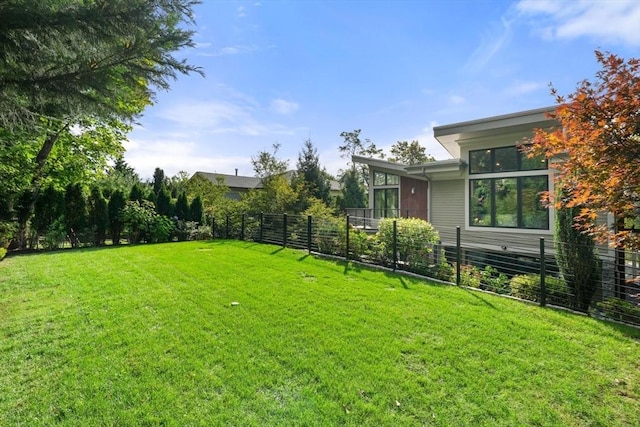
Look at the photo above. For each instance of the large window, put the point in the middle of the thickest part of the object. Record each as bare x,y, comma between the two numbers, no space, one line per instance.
382,178
501,195
386,201
503,159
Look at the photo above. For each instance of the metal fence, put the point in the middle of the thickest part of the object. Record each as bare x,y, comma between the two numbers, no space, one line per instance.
606,286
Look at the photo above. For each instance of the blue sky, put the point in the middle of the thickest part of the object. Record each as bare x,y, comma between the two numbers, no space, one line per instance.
285,71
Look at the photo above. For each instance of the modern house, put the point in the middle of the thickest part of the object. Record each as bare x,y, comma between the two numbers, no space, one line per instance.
490,189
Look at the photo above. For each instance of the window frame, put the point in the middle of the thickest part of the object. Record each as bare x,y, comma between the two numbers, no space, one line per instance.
492,173
391,183
493,203
493,164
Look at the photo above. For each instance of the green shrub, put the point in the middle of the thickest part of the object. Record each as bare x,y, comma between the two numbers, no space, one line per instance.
414,241
621,310
494,281
55,235
329,234
489,279
187,230
160,229
203,232
440,269
527,286
359,243
7,233
3,253
137,218
470,276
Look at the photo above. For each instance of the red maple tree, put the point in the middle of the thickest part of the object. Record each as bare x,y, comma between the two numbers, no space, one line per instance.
596,150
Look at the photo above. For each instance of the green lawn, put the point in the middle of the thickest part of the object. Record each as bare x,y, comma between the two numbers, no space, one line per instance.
148,335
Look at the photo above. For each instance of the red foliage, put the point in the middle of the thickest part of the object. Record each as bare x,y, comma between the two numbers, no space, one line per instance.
596,149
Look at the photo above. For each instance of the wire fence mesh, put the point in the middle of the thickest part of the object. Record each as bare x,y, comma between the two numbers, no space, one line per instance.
599,280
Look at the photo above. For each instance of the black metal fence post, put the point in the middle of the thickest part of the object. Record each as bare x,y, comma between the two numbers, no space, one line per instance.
242,227
346,250
226,228
394,245
543,274
458,256
284,230
309,222
261,233
213,227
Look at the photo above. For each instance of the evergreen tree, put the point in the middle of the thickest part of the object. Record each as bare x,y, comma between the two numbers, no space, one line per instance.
99,215
91,66
182,207
163,202
196,210
75,212
576,257
352,192
158,180
311,176
137,193
49,207
116,204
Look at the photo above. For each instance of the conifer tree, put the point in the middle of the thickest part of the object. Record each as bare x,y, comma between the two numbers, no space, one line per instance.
116,204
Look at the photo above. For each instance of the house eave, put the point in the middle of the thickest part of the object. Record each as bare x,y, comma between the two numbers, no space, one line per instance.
451,135
380,164
439,169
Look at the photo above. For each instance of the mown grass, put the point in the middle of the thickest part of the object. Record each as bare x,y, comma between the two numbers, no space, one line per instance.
147,335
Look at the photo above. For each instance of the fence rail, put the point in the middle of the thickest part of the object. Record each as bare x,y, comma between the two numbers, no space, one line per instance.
523,269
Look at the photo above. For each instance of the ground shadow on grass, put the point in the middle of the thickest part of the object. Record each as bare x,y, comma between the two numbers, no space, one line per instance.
480,297
57,251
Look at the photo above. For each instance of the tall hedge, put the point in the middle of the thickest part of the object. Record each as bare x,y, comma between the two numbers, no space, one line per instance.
577,258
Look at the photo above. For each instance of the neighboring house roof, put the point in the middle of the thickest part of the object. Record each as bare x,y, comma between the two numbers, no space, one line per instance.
233,181
249,182
452,136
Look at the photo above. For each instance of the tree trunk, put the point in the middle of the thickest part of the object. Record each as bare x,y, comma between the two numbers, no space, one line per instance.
41,160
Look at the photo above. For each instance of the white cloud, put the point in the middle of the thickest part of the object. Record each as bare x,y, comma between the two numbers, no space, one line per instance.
492,42
456,99
523,88
615,21
173,155
242,118
427,140
284,107
229,50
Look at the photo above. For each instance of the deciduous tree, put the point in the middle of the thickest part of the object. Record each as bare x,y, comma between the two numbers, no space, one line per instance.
410,153
598,143
354,146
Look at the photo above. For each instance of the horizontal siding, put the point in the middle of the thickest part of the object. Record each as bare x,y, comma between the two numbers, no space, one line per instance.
447,203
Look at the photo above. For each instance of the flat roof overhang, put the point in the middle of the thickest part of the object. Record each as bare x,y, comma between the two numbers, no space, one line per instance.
439,169
451,136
